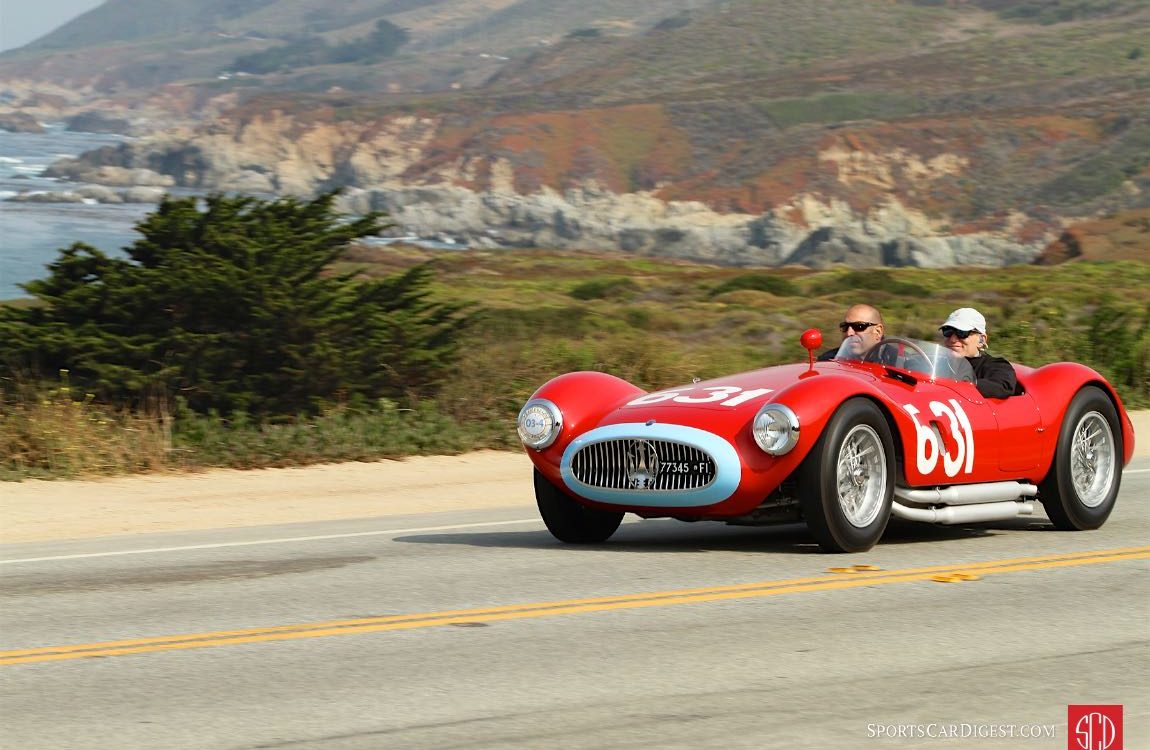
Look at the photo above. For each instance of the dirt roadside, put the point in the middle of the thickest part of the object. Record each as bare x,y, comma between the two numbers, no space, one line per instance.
41,511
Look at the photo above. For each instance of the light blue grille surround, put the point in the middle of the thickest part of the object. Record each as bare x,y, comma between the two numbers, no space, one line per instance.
728,467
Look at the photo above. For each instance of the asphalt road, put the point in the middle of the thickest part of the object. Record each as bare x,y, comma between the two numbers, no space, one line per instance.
476,630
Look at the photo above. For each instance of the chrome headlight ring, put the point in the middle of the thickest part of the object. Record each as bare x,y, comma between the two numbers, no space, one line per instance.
776,429
539,423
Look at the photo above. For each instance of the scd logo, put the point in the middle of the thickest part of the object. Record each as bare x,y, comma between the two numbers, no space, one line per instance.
1094,727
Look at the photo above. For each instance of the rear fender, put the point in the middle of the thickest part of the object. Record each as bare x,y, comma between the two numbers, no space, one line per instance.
1054,386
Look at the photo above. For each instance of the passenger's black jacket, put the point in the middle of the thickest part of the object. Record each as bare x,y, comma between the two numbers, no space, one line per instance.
994,376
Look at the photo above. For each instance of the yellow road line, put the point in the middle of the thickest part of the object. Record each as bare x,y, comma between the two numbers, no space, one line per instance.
549,609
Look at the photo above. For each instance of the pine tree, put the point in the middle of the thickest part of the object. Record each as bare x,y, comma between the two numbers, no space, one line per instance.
230,304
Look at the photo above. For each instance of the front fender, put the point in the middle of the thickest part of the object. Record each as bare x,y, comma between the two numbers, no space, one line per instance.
583,398
814,400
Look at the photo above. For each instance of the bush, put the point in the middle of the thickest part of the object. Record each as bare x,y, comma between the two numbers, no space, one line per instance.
871,280
232,309
382,43
611,288
1118,340
760,282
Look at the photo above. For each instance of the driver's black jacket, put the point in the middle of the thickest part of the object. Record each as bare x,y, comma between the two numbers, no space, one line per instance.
994,377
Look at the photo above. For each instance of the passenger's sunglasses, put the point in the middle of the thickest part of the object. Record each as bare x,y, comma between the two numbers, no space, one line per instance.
948,331
857,326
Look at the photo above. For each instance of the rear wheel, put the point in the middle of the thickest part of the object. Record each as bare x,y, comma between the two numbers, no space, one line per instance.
846,484
1080,490
567,520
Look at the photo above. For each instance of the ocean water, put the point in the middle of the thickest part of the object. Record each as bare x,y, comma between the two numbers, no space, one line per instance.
32,234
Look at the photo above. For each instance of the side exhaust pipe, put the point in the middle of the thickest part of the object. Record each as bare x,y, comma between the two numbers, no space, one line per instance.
967,494
973,513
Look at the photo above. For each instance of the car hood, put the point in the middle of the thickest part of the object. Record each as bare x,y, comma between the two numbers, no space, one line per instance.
732,394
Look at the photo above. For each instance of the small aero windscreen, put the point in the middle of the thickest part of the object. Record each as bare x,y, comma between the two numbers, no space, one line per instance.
924,358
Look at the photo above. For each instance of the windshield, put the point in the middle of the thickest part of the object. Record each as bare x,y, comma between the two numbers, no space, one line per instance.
922,357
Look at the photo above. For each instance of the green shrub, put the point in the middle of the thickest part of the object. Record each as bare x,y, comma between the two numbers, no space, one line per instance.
366,433
306,51
870,280
232,308
617,287
760,282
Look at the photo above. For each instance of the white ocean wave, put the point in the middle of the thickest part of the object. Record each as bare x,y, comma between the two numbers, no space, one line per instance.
10,160
6,194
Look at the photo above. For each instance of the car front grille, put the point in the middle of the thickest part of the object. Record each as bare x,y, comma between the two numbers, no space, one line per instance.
637,464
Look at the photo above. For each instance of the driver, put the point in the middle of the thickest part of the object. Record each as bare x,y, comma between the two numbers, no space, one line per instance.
964,332
864,324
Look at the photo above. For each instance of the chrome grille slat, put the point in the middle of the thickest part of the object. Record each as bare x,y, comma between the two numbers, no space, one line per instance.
645,465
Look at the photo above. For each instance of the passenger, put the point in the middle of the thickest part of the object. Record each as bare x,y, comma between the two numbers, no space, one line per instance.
964,332
865,323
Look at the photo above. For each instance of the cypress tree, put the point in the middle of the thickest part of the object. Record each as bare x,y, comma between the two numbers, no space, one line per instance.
229,302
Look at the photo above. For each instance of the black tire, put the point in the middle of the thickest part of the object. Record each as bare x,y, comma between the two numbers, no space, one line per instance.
857,423
570,522
1080,490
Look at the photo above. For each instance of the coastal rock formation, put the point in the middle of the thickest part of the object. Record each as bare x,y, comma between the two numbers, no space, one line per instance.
806,231
90,194
402,165
91,121
20,122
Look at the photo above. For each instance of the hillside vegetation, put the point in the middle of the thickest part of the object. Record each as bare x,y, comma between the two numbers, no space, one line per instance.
661,327
965,111
1025,117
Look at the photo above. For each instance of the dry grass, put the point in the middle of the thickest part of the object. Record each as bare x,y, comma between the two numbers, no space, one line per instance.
55,433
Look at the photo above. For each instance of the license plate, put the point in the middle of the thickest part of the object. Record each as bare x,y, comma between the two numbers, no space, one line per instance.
686,467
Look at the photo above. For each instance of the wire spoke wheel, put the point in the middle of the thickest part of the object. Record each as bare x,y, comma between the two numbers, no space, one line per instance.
1082,485
1093,459
862,476
846,483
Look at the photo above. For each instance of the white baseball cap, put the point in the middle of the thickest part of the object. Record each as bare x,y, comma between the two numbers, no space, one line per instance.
966,319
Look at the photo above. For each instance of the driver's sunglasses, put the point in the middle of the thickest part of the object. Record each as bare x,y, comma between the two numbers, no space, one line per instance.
857,326
948,331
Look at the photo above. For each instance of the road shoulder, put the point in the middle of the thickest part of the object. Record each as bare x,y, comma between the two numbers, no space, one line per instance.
36,511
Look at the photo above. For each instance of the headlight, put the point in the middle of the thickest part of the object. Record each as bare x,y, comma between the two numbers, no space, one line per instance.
539,423
776,429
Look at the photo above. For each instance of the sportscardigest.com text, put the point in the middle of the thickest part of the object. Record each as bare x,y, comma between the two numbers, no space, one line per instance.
951,730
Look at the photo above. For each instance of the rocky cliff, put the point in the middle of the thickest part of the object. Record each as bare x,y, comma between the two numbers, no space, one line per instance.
435,178
736,131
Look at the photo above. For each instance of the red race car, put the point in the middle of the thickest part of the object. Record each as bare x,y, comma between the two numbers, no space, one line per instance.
842,445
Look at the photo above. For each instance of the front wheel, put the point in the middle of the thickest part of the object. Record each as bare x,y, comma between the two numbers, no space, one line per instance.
570,522
1080,490
846,484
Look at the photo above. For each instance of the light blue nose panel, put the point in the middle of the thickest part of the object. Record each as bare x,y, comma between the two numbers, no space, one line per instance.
728,467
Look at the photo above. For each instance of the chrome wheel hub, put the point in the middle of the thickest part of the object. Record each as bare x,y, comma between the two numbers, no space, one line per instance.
862,476
1093,459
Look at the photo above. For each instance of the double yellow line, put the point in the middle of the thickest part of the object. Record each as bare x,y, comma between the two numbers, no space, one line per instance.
846,579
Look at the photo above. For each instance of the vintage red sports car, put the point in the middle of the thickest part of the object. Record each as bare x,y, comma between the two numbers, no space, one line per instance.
842,445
